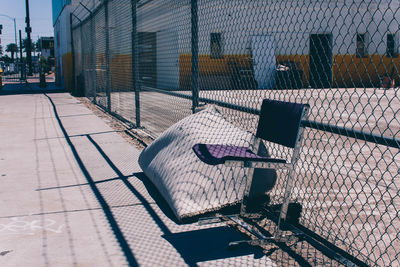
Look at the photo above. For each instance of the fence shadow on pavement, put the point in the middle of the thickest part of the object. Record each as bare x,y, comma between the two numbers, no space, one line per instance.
156,217
193,246
198,245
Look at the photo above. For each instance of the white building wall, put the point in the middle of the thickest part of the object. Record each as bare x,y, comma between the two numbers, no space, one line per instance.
62,39
291,22
62,43
168,21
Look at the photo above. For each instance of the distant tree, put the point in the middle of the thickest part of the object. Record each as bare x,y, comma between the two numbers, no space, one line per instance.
12,48
6,59
1,50
25,43
37,46
44,64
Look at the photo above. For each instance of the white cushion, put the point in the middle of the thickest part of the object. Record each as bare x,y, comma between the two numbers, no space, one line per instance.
190,186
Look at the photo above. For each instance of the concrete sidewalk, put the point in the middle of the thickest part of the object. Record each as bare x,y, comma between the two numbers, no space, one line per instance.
72,193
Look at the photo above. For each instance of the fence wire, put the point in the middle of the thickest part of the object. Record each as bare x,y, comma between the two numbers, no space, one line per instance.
16,72
153,62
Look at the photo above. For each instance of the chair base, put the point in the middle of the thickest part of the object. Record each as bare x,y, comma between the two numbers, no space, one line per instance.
294,233
258,237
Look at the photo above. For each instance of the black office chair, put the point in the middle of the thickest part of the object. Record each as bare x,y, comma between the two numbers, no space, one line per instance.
279,123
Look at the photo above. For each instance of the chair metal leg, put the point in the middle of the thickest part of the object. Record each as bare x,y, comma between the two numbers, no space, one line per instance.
285,204
209,220
249,180
260,238
246,192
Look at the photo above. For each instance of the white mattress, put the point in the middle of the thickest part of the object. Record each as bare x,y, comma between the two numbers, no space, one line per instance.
190,186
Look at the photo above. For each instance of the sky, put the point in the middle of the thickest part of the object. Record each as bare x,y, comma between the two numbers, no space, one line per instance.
40,18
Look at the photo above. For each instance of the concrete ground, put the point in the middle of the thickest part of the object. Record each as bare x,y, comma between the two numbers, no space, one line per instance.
72,194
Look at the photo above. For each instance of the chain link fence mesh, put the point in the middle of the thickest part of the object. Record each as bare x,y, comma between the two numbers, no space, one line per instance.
341,57
13,72
163,45
120,28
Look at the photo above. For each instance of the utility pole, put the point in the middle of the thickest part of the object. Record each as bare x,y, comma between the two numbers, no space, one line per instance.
22,64
28,31
20,44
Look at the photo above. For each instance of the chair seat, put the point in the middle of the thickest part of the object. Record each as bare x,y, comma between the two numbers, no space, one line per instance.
214,154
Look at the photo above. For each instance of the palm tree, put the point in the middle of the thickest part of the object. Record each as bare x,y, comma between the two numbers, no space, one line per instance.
12,48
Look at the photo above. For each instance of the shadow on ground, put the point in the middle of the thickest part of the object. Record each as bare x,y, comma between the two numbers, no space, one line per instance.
30,88
141,221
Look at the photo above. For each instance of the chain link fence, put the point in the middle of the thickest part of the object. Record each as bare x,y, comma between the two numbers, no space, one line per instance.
153,62
14,72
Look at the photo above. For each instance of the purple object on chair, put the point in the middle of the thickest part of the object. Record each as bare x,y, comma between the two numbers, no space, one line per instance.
218,154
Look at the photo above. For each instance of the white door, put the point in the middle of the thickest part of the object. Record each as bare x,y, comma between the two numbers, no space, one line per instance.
263,54
167,59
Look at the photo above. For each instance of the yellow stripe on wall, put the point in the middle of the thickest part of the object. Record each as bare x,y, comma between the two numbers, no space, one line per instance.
67,70
121,72
347,70
210,66
350,71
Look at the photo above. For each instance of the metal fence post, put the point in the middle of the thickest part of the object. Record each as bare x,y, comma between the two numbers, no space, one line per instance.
93,55
108,75
73,87
195,54
82,60
135,63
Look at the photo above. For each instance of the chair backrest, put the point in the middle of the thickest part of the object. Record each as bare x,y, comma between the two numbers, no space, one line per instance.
280,122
